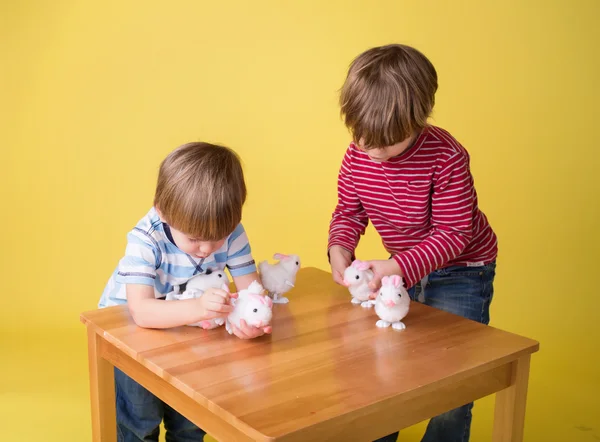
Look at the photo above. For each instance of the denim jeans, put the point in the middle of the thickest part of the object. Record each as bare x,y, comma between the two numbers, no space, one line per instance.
464,291
139,414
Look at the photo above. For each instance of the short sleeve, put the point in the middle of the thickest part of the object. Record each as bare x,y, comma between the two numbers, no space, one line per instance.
142,258
239,253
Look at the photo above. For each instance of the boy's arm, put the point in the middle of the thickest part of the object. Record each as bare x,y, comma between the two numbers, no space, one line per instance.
349,219
242,268
453,202
149,312
240,263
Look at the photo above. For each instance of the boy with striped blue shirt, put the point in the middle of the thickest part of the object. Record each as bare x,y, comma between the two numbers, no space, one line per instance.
193,226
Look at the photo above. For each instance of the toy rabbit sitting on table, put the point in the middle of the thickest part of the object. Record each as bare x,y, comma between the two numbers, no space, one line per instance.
392,303
279,278
251,306
196,286
357,278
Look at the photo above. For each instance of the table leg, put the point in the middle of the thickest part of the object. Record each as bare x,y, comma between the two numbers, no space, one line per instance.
509,417
102,392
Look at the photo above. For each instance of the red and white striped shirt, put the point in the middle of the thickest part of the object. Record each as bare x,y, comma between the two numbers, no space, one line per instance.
423,204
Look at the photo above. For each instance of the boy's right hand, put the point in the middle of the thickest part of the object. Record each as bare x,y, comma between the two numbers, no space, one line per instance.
214,303
339,259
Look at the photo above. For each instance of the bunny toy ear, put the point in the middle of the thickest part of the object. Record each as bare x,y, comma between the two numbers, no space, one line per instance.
225,287
360,265
279,256
255,287
269,301
363,266
396,280
256,297
385,280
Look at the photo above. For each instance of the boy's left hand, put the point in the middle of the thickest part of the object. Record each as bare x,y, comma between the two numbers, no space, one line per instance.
244,331
381,268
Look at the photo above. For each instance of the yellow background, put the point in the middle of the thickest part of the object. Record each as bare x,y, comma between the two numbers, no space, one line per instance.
95,94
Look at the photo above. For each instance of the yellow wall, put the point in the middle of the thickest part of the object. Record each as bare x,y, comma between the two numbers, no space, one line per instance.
94,95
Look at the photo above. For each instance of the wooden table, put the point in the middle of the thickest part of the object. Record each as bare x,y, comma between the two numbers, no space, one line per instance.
327,373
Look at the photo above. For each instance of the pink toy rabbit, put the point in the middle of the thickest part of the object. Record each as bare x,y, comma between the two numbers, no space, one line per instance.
357,278
392,303
196,286
279,278
252,307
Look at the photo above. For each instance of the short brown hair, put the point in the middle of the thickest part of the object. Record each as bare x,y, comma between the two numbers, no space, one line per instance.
389,93
201,190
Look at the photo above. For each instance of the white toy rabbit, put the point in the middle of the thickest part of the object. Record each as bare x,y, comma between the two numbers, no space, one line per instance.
279,278
357,278
392,303
196,286
251,306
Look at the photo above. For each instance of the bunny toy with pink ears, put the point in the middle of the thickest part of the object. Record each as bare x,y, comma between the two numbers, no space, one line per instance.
251,306
196,287
279,278
392,303
357,278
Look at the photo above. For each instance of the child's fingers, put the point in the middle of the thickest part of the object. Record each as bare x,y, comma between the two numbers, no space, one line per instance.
239,333
251,332
219,307
375,282
337,277
245,327
219,292
220,296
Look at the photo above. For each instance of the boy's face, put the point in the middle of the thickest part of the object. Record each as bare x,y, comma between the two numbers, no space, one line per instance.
381,154
195,246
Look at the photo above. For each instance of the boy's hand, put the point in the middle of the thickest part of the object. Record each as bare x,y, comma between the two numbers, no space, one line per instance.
339,259
247,332
381,268
215,303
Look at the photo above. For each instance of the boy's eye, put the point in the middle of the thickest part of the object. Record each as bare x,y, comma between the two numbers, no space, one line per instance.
193,240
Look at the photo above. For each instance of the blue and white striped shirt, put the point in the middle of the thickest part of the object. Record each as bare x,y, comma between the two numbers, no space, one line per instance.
152,258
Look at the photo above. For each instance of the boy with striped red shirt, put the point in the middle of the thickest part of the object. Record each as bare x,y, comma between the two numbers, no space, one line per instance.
413,182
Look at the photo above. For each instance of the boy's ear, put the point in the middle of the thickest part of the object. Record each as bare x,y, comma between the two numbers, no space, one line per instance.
159,214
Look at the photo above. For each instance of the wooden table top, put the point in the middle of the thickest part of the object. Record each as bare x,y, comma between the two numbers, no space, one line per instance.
324,359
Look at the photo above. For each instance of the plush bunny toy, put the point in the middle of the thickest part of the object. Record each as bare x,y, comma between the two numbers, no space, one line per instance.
357,278
392,303
196,286
251,306
279,278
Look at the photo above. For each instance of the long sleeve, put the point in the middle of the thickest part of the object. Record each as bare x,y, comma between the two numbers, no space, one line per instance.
349,219
452,206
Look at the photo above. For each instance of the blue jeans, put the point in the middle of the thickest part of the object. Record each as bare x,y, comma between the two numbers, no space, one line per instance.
139,414
464,291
